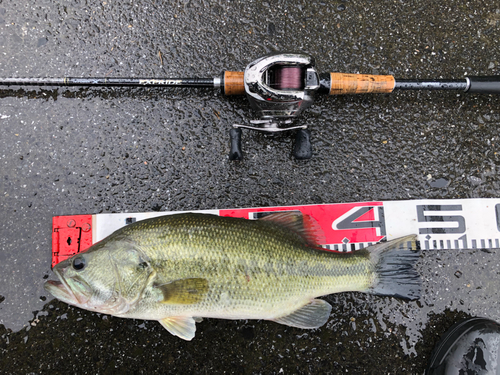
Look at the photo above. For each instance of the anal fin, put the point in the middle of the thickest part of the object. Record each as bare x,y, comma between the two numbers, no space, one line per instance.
181,326
312,315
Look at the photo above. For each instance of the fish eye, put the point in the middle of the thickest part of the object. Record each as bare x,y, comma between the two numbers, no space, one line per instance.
79,263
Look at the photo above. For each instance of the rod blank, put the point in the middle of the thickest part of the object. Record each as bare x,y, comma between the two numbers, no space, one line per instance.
70,81
431,84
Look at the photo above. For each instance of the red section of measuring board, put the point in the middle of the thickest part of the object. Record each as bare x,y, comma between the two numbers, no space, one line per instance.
70,235
341,222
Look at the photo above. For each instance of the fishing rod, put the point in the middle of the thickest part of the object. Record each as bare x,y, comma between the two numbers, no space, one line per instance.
279,87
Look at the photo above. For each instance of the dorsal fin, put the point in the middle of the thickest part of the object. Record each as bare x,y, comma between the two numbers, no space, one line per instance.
303,225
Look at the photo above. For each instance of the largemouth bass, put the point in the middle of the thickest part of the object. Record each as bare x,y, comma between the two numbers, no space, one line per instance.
179,268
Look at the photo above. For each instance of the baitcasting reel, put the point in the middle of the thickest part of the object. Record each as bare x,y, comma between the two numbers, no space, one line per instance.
279,87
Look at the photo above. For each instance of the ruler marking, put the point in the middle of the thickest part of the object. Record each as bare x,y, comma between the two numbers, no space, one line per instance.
497,214
130,220
465,242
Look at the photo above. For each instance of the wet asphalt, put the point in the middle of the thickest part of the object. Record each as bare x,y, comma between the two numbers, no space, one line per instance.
86,151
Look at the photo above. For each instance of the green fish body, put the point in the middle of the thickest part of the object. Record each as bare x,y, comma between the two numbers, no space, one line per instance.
179,268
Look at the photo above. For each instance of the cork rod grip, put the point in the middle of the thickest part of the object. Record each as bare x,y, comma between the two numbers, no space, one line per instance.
344,83
234,83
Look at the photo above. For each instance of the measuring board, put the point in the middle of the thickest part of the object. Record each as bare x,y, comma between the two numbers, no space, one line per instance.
441,224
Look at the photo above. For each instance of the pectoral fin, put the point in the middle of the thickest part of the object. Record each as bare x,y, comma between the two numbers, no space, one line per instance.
312,315
181,326
185,291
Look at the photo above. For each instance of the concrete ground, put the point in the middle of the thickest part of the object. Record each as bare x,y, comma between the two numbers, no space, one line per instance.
85,151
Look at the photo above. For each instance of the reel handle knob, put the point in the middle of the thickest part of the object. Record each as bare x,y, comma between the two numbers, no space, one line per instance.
235,138
302,149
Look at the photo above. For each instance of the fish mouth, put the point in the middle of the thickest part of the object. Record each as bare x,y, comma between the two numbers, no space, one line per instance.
62,290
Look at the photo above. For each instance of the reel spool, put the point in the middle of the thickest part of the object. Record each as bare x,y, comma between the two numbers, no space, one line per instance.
279,87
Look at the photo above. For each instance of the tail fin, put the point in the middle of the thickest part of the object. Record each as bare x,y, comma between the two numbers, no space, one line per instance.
394,268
